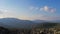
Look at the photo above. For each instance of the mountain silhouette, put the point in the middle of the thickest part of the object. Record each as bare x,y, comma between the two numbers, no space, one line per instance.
18,23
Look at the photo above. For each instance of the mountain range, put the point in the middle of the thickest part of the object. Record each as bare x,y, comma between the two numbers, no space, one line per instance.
18,23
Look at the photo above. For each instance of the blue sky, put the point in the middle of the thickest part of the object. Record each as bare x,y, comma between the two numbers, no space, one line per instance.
30,9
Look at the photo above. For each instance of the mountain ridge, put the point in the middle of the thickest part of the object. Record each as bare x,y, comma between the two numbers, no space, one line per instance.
18,23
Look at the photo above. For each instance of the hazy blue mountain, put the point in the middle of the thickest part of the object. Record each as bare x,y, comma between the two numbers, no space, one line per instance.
17,23
58,21
39,21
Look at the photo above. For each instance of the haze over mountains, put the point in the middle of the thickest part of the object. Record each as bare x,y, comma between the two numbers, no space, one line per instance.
17,23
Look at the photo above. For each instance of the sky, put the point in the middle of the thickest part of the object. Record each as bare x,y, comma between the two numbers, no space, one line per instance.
30,9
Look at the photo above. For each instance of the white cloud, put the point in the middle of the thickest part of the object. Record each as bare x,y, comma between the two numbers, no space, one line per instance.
41,9
45,8
48,9
31,8
52,10
3,11
36,8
